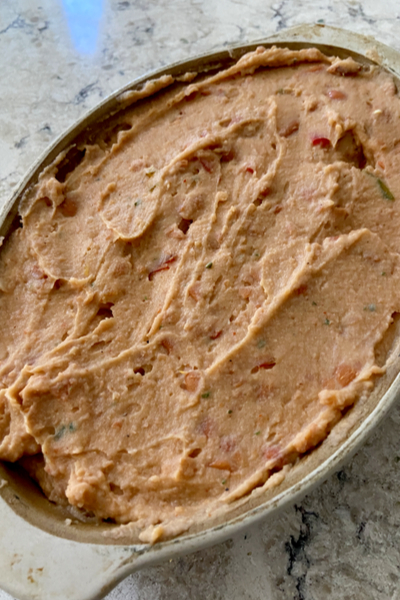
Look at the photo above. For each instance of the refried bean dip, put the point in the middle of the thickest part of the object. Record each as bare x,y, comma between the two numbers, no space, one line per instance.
195,297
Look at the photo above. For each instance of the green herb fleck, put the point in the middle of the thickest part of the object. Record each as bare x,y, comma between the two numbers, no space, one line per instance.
314,303
386,193
58,435
153,188
230,412
160,327
383,273
63,430
184,41
327,322
256,254
397,459
321,21
205,394
145,298
223,481
261,343
138,202
257,433
209,265
150,172
370,307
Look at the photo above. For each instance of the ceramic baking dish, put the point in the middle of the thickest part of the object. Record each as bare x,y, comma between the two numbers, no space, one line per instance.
45,556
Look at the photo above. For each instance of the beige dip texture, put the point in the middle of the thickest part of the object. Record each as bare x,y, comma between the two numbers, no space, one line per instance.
199,291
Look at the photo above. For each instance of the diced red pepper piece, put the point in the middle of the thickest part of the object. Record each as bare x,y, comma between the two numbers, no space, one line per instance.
195,292
163,266
345,374
336,95
289,129
272,452
228,444
192,381
301,290
267,365
208,427
206,164
275,455
167,344
37,273
323,142
216,335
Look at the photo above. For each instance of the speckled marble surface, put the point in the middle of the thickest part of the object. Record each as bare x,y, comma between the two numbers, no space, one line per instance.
59,58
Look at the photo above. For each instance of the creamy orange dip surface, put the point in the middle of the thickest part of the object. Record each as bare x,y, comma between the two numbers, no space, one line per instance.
191,305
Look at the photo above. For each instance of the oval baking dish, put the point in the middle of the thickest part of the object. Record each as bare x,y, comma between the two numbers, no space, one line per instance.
89,563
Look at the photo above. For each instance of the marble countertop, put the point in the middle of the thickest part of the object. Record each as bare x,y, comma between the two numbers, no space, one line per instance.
59,58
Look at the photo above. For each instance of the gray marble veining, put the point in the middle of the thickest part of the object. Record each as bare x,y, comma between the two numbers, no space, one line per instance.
343,541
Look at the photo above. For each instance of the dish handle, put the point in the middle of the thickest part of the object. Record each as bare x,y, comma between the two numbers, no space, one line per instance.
35,565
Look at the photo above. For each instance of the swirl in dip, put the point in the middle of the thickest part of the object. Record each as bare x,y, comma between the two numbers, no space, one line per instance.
199,290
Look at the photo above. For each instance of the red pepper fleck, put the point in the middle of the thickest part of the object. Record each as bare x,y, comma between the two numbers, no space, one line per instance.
192,381
206,164
37,273
336,95
216,335
345,374
163,266
195,292
291,128
275,454
265,192
301,290
267,365
227,444
323,142
167,344
272,452
208,427
249,170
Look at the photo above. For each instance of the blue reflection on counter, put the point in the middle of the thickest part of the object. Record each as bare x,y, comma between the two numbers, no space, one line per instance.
83,18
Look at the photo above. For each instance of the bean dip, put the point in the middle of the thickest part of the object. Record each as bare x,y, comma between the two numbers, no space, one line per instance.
197,293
